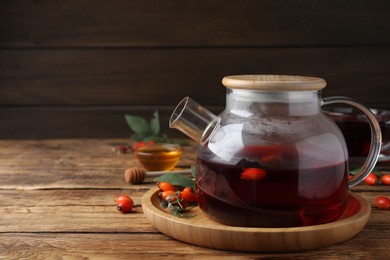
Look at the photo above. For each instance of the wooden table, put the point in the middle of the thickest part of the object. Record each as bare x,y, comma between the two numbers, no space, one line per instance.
57,200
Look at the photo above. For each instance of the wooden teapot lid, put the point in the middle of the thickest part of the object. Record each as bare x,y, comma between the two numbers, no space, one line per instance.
274,82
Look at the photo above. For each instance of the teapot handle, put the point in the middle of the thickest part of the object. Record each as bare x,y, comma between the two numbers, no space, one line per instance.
376,136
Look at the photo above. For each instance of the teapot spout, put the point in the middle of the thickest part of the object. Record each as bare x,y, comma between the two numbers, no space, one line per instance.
194,120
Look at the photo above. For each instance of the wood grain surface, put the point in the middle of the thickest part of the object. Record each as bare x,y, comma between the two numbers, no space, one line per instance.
72,69
170,23
57,200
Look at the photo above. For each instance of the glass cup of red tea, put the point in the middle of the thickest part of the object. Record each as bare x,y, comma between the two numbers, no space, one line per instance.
356,131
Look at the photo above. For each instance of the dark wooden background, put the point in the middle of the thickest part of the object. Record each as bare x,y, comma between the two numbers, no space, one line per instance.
74,68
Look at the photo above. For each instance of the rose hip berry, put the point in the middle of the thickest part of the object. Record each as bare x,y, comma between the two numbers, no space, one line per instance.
166,194
125,205
253,174
382,202
188,195
166,186
371,179
122,198
141,144
385,179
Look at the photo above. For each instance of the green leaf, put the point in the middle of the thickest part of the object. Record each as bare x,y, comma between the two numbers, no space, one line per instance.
176,179
137,124
177,211
357,170
139,136
193,171
155,123
354,171
151,137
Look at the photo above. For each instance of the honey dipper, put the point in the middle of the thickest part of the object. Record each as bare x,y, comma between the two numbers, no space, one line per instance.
136,175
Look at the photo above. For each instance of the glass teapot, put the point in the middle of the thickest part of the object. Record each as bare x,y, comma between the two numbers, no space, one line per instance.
272,158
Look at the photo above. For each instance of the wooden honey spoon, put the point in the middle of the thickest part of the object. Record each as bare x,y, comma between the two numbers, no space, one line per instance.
136,175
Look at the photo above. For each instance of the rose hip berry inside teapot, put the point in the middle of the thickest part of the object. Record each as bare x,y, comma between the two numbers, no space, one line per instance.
272,158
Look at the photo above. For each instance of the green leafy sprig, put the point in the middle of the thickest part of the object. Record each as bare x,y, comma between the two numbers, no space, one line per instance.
173,202
144,130
175,205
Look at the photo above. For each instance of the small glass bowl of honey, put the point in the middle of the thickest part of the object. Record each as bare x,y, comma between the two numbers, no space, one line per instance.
159,157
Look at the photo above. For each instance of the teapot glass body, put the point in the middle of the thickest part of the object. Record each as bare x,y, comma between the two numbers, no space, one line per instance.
272,158
275,160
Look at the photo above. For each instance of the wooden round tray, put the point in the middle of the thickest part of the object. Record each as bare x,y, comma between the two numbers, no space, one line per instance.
202,231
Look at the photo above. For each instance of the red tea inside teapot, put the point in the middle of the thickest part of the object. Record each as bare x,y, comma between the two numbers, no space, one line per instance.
271,192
